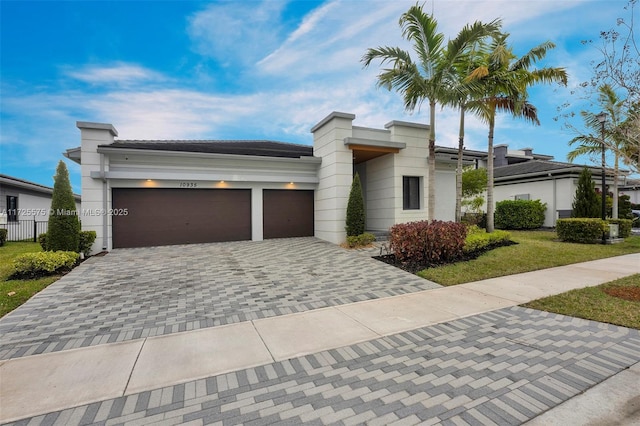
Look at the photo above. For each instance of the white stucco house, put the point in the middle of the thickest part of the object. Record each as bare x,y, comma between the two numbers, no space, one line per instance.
25,207
159,192
151,192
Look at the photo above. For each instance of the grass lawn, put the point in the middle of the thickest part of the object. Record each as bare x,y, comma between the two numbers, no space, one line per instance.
14,293
535,250
594,303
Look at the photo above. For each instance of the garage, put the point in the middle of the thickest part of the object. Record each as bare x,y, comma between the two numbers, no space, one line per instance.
146,217
287,213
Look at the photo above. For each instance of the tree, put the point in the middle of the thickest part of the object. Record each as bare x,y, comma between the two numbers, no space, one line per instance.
63,232
618,67
586,202
425,78
474,183
614,140
355,209
505,79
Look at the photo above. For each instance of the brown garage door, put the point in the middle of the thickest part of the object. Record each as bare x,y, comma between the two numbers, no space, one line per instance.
163,216
287,213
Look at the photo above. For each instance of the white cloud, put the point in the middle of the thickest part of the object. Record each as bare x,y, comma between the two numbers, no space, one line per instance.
119,73
236,33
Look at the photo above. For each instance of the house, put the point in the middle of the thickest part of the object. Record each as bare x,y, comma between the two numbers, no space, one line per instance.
158,192
631,187
24,207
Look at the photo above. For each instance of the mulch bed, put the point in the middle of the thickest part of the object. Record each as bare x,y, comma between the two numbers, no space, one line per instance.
626,293
414,267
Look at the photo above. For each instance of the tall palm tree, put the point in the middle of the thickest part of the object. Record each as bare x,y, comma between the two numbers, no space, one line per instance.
422,79
505,79
614,141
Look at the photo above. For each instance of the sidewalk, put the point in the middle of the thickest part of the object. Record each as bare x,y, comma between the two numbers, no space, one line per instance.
41,384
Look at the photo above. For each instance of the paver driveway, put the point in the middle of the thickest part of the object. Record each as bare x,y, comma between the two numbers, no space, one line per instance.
133,293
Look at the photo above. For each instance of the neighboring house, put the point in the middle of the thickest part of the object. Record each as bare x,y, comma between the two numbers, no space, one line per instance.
631,187
24,207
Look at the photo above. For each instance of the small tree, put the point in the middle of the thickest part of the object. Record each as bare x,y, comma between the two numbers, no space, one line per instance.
355,209
474,183
64,227
586,202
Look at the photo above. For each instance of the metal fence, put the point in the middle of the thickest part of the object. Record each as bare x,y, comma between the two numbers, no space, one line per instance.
22,230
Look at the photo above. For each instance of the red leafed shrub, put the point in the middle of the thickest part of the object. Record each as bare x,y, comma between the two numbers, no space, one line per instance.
431,242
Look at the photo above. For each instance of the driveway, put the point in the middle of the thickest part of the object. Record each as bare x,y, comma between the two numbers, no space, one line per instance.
134,293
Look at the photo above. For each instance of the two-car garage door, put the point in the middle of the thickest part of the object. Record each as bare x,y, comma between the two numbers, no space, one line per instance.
165,216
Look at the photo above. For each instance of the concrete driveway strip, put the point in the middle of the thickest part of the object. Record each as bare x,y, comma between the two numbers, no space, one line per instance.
43,383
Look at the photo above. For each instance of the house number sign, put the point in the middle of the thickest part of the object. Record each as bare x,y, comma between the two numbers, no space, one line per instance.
188,184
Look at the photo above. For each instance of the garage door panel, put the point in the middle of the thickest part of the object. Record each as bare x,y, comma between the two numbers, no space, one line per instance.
165,216
288,213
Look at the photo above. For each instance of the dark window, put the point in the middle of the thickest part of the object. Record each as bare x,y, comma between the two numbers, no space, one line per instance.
12,208
411,192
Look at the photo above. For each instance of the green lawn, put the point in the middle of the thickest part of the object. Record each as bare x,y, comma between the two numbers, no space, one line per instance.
594,303
14,293
535,250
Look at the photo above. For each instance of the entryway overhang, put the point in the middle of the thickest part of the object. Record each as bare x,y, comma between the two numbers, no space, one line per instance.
367,149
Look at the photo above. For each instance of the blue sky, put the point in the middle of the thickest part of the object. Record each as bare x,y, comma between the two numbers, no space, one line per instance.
248,70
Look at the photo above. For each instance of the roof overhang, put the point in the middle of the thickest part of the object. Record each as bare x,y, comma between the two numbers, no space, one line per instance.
367,149
73,154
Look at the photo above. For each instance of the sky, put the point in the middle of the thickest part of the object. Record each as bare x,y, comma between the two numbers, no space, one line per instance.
253,69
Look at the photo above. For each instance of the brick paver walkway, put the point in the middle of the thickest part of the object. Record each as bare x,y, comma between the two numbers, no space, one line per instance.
503,367
134,293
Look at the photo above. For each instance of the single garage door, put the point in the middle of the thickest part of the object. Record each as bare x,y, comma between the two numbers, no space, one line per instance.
164,216
287,213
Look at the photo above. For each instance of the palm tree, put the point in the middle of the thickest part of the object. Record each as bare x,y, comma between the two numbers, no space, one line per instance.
422,80
614,140
505,79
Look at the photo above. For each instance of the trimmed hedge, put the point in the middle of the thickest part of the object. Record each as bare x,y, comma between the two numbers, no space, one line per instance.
86,241
424,241
581,230
3,236
33,265
361,240
478,239
519,214
624,226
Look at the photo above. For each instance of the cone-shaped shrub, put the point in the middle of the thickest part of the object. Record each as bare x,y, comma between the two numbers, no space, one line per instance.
355,209
586,202
63,231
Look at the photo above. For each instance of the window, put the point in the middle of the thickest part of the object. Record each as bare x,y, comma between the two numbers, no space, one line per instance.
411,192
12,208
522,197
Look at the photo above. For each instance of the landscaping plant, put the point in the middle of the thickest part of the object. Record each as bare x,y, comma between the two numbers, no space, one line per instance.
355,209
520,214
586,202
64,226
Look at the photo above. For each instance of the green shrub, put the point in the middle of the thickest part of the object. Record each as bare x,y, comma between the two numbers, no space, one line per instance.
355,209
431,242
519,214
586,202
64,227
33,265
42,240
478,239
87,239
3,236
624,226
360,240
581,230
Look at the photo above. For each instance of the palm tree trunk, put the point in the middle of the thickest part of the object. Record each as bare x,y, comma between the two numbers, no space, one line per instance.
490,204
431,163
459,168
